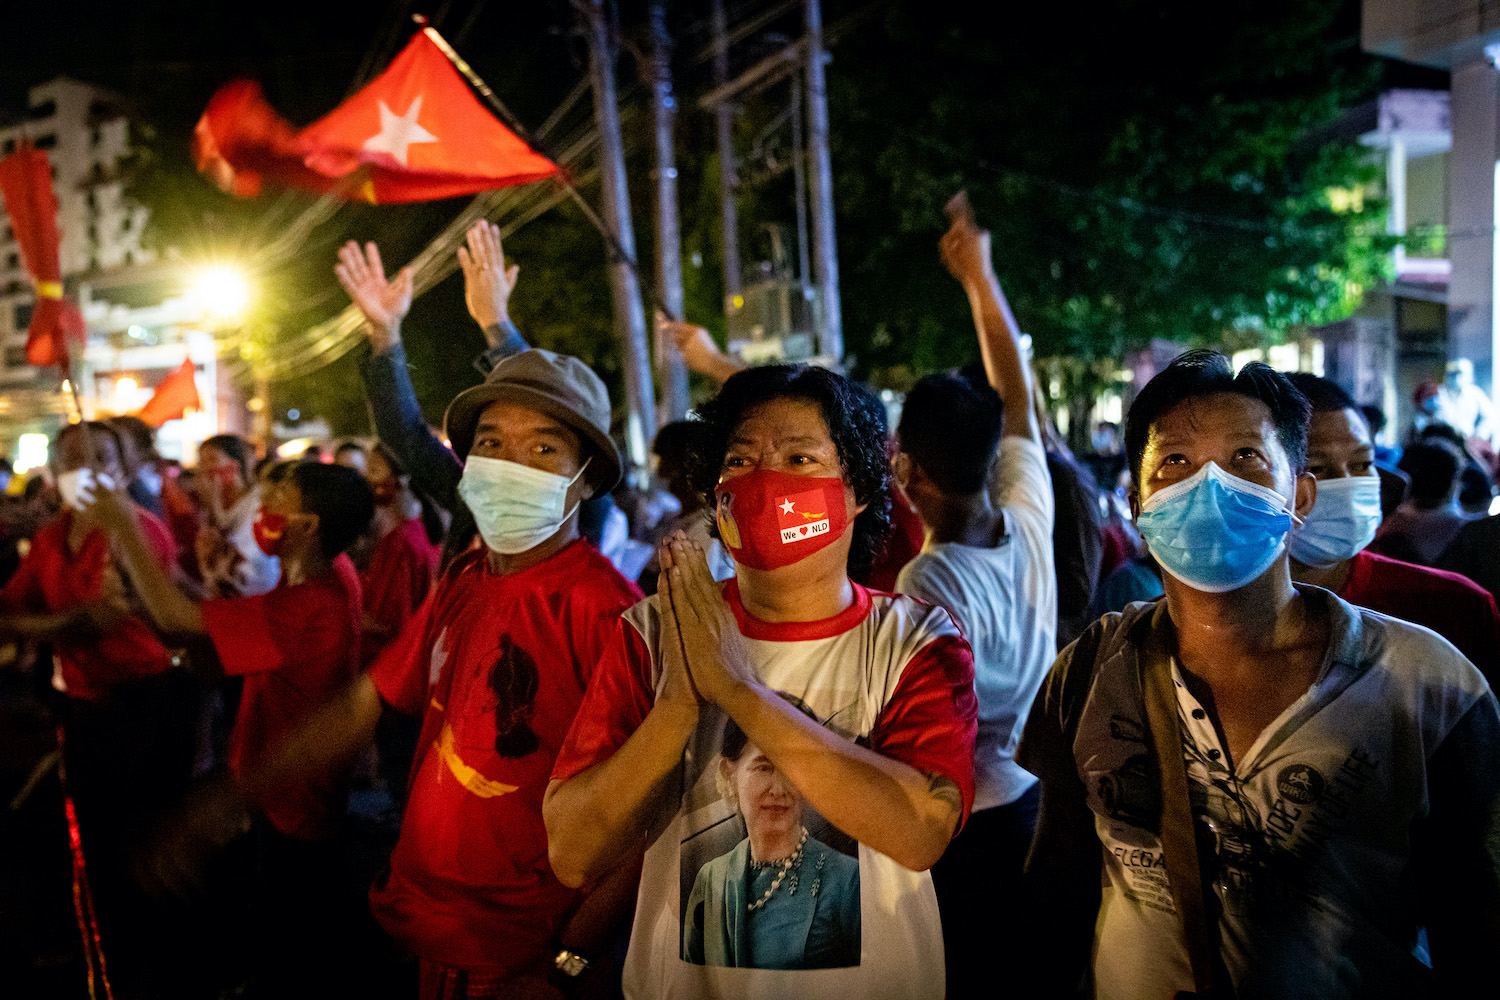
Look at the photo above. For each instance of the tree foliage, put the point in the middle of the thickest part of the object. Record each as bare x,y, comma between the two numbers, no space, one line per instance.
1145,168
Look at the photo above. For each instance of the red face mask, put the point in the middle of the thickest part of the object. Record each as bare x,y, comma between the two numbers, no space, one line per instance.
385,492
270,531
770,519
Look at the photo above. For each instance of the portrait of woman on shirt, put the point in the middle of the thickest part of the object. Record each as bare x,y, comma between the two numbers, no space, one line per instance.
780,898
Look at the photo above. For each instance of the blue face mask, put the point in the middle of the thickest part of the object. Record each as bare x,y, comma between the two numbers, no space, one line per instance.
1342,522
1213,531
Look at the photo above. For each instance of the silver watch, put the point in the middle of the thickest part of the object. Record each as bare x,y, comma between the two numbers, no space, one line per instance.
570,963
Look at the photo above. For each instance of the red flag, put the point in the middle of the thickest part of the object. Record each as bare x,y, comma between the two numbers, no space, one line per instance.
26,183
415,133
176,394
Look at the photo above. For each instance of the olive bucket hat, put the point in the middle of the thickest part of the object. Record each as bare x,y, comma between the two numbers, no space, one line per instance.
558,385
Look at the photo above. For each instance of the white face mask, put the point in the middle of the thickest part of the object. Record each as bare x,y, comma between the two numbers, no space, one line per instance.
77,487
1342,522
515,506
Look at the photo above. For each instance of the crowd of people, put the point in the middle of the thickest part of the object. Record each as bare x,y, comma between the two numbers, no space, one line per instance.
910,712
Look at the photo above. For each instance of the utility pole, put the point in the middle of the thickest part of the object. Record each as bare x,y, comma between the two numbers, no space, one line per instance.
728,182
630,315
825,250
669,364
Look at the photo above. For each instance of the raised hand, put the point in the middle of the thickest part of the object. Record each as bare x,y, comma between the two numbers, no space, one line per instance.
965,248
718,660
487,281
699,352
385,303
677,684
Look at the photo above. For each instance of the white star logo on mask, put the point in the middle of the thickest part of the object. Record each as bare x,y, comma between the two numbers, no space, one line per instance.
397,132
786,506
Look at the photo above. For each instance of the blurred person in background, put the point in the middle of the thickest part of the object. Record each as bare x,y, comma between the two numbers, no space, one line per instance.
351,455
404,561
230,563
1427,521
128,714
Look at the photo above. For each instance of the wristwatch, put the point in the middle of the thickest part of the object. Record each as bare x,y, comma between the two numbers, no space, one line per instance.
570,963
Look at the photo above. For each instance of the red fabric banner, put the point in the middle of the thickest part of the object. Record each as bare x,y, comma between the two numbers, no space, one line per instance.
415,133
176,394
26,183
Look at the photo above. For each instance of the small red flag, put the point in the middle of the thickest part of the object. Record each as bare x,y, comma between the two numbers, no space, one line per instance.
415,133
26,183
176,394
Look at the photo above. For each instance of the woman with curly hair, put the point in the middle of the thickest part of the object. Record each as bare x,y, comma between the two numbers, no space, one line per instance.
882,757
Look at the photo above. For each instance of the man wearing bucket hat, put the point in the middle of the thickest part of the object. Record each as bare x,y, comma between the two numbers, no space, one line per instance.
495,662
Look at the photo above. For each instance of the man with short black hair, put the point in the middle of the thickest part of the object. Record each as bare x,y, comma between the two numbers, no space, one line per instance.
1329,549
986,505
1286,789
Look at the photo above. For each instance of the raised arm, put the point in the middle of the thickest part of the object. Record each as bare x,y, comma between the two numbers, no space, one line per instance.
699,352
966,253
488,282
597,819
393,402
173,611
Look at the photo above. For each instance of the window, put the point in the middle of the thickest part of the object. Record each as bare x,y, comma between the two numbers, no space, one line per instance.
15,357
13,261
48,141
23,316
10,147
44,110
96,136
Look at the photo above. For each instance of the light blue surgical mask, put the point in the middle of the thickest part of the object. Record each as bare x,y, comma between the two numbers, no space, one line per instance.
515,507
1341,523
1213,531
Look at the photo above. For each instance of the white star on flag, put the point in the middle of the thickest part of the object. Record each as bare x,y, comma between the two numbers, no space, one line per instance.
786,506
397,132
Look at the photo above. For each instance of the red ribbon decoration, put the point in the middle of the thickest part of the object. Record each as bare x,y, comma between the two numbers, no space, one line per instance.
83,898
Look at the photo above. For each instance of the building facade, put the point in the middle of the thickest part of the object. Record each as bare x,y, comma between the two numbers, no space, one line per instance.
142,320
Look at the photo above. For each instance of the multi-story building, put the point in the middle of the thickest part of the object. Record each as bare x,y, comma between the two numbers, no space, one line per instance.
142,323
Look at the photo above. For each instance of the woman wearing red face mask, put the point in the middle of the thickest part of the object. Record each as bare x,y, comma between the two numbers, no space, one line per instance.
882,761
230,563
404,560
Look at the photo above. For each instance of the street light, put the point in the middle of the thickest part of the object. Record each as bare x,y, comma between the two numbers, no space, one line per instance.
222,292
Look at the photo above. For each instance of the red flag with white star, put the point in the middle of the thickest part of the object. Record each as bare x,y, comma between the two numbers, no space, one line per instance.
415,133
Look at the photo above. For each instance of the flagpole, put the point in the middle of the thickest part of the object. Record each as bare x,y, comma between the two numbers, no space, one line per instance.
514,123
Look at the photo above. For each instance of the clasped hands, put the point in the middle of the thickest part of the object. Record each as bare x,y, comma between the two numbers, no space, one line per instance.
704,657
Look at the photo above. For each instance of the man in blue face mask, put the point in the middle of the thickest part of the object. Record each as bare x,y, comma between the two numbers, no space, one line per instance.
1328,548
1274,776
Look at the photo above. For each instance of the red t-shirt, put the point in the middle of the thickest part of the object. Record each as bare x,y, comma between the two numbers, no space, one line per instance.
399,578
901,546
53,578
470,886
296,646
1451,605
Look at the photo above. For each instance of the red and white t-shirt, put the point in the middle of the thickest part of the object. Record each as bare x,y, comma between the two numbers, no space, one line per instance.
53,578
497,665
402,570
890,672
296,646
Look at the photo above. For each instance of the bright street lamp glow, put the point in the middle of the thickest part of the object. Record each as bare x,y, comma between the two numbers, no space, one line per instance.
31,452
222,292
125,385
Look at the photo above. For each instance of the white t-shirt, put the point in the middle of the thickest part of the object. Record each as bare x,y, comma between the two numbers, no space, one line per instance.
890,672
1315,842
1004,598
